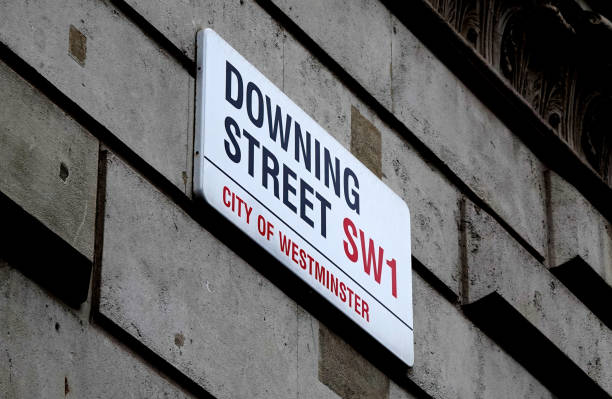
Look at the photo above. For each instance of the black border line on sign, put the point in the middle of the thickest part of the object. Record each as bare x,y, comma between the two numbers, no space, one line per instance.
308,242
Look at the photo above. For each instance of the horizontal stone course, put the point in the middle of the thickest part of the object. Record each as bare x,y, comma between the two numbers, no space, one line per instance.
578,229
126,82
454,359
498,264
50,351
181,293
49,162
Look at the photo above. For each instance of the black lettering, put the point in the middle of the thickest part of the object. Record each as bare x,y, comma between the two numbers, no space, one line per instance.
252,144
278,125
324,206
288,188
229,124
229,71
335,175
305,202
351,201
251,87
266,170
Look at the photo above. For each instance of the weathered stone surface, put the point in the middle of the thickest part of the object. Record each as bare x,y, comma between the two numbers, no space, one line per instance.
49,162
50,351
395,392
434,208
317,91
578,229
127,83
243,24
497,263
309,385
367,55
454,359
455,125
366,142
174,287
346,372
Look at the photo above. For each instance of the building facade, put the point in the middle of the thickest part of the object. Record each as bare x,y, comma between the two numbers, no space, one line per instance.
490,118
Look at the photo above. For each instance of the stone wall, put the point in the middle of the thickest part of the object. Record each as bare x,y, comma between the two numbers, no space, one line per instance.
116,283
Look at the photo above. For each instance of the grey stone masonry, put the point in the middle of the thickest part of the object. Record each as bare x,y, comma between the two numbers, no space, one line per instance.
48,162
187,297
497,264
578,229
50,351
127,83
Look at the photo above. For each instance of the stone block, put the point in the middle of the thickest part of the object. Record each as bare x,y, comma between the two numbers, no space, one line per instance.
357,34
496,264
396,392
50,351
49,162
243,24
454,359
317,91
175,288
366,142
125,82
346,372
578,229
309,384
468,137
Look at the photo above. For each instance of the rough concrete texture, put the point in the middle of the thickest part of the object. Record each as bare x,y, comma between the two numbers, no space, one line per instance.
49,162
317,91
242,23
366,142
128,83
454,359
432,200
164,276
434,207
50,351
496,263
309,385
454,124
395,392
346,372
578,229
367,55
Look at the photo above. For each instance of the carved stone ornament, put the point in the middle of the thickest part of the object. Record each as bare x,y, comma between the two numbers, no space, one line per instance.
548,50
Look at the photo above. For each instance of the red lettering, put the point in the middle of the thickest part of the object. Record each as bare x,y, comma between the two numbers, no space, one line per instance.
352,255
310,260
357,304
226,191
365,311
371,257
294,252
320,273
391,264
350,291
342,292
303,259
249,209
333,284
285,247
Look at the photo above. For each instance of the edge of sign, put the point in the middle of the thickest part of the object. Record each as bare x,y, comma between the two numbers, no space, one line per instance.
202,37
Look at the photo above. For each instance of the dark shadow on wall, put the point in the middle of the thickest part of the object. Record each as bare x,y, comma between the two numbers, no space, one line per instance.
540,356
42,255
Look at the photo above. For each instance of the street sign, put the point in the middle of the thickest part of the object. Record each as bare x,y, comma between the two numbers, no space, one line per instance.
271,170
